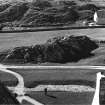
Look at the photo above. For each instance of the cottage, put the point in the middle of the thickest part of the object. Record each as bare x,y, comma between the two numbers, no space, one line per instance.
99,17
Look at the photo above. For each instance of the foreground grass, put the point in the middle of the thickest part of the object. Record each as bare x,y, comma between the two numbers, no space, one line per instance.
34,77
63,98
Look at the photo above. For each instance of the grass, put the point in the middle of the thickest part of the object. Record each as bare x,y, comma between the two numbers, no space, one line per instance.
67,76
63,98
11,40
33,77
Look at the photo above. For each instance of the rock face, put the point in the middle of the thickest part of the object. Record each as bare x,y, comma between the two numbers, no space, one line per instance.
6,98
58,50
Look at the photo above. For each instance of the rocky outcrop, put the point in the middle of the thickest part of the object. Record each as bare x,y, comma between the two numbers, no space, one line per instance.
57,49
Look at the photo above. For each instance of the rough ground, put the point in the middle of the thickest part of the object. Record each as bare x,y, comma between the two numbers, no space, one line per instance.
12,40
56,50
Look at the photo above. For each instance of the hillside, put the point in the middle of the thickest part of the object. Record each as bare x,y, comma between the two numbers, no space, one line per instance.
13,12
44,13
50,16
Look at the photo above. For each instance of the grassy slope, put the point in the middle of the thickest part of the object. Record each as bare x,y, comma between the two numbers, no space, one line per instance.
37,15
67,76
42,13
10,40
63,98
71,76
23,39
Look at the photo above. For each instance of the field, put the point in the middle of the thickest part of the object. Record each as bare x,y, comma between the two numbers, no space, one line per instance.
10,40
64,98
35,77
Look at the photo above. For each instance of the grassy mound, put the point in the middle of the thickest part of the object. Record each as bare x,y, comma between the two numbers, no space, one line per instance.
57,50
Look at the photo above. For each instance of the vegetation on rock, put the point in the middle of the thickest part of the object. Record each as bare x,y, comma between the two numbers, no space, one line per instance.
58,50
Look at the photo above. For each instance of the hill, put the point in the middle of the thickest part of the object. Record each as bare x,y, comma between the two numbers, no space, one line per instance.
44,13
57,50
49,16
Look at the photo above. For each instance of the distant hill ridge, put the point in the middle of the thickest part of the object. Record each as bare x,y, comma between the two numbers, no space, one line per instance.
43,13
